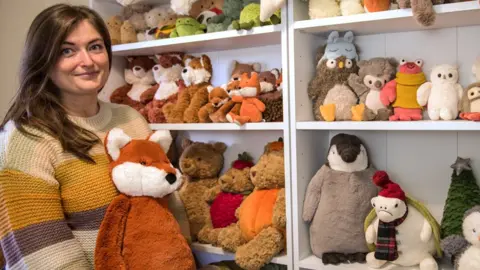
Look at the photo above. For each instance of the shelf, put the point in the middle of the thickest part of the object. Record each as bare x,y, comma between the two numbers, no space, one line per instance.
281,259
313,262
399,20
152,2
220,126
425,125
225,40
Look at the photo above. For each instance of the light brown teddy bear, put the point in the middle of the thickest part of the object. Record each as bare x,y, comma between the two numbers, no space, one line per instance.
114,24
235,185
128,33
218,101
260,232
196,76
200,164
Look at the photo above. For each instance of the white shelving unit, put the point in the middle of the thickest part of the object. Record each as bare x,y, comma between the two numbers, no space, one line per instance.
416,154
266,45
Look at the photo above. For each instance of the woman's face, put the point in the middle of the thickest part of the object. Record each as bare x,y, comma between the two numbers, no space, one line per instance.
82,67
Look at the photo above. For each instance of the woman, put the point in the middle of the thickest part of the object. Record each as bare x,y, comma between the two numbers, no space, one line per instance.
54,180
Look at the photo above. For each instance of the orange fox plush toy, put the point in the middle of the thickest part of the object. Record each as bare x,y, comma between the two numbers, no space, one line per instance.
251,108
138,231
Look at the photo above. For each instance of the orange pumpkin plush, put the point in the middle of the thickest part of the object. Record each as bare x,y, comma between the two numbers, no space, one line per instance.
259,234
138,231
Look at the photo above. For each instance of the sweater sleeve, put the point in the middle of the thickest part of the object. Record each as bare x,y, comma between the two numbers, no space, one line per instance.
33,231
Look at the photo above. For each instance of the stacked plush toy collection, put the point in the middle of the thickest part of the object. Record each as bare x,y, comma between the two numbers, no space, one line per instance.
175,88
423,11
345,88
140,22
242,210
357,214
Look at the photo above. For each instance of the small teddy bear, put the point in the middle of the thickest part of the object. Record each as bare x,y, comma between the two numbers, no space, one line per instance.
218,99
128,33
261,216
114,26
200,164
235,185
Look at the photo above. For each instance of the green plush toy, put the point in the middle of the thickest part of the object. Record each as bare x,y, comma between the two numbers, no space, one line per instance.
230,13
250,17
463,194
186,27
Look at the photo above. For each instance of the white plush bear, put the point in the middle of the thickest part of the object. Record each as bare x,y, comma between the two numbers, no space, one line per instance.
403,231
442,94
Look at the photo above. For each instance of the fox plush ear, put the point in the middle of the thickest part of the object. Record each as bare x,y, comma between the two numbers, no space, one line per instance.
116,139
162,137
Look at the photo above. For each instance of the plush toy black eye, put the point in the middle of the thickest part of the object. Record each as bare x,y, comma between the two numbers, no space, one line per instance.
472,93
396,205
385,81
143,162
373,204
439,75
198,159
369,82
450,75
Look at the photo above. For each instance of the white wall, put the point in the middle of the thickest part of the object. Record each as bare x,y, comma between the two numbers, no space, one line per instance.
15,18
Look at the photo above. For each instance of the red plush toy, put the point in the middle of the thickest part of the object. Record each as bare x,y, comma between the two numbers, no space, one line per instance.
235,184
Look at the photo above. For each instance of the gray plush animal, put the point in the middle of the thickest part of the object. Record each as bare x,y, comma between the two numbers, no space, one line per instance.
338,201
337,47
464,252
372,75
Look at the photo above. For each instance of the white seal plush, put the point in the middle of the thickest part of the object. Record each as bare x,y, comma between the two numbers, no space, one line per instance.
465,251
402,229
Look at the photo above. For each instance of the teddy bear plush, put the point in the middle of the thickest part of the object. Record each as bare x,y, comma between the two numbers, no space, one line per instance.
196,75
422,10
139,78
260,232
372,75
200,164
167,74
114,26
235,185
128,238
128,33
337,201
271,95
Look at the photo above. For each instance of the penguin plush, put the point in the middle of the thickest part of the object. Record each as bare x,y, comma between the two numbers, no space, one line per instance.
337,202
464,252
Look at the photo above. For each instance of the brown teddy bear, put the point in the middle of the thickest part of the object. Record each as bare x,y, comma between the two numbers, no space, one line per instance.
196,76
114,24
423,10
260,232
128,34
235,185
373,74
139,78
200,164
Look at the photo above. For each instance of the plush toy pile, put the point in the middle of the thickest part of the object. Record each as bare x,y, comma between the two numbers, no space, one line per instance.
423,11
345,88
176,87
140,22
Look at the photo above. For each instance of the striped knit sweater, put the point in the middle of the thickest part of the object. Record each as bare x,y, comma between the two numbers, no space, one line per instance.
52,203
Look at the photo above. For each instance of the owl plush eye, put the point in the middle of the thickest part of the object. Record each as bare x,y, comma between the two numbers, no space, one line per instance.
348,63
419,62
331,63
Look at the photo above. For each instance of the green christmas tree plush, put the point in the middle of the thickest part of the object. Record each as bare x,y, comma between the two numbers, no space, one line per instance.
463,194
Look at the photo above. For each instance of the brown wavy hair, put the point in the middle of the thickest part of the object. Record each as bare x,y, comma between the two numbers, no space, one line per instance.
37,102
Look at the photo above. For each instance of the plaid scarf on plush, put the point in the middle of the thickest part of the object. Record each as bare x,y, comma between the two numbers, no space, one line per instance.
386,247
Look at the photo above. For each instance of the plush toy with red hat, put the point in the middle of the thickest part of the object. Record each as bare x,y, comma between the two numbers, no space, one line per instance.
234,186
402,229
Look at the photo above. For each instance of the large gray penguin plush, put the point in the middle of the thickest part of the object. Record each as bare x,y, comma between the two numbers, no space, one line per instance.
338,201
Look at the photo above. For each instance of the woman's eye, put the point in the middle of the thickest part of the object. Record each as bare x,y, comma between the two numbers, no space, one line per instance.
96,47
67,52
